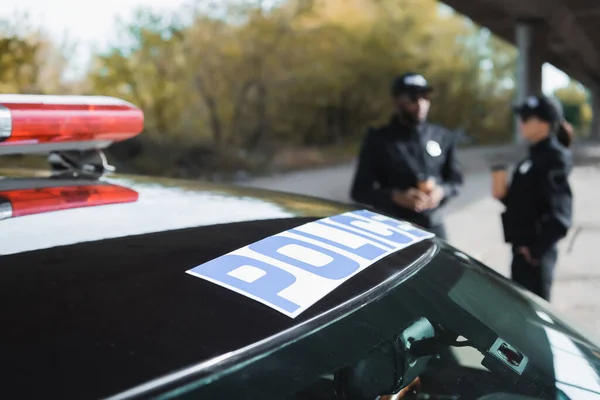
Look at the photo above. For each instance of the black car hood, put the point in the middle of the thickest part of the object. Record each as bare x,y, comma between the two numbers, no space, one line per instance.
95,300
107,315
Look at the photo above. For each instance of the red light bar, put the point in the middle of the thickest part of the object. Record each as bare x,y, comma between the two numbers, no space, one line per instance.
41,123
22,202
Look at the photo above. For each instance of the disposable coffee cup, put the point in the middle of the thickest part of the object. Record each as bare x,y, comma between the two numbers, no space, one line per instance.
499,180
427,185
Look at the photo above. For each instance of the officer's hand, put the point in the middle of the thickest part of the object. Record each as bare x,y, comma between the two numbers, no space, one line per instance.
436,196
412,199
527,255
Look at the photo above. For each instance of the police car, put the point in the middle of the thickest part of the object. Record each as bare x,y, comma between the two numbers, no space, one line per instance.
122,287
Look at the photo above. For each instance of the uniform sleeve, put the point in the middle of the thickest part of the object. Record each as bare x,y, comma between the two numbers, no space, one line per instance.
451,172
364,186
558,198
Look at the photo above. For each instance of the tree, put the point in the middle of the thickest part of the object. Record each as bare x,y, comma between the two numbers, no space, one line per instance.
577,109
145,71
241,77
29,61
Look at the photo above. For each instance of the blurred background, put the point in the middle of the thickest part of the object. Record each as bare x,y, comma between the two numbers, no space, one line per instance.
232,88
278,94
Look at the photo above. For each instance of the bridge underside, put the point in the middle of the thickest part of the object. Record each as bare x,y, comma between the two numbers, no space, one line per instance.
560,32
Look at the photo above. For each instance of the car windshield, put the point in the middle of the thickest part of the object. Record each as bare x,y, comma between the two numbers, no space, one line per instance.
453,330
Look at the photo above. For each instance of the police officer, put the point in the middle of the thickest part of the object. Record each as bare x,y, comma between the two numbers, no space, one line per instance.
408,168
539,199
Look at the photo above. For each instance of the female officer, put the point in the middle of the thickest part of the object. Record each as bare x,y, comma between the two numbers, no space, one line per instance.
539,199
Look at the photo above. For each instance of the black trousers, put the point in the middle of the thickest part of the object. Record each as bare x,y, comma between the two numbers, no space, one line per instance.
535,278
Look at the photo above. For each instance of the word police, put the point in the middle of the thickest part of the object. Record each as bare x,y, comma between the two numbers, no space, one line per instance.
294,269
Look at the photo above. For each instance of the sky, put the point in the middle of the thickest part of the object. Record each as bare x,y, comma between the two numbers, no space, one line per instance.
91,24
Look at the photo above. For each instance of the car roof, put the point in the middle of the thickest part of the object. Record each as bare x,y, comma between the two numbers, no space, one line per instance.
106,285
162,204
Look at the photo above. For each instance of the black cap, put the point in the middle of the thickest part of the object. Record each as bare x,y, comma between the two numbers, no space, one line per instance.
410,83
542,107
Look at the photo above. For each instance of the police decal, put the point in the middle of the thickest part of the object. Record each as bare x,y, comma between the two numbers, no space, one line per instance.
294,269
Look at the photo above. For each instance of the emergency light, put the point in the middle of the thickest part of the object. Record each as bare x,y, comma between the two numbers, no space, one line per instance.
22,202
43,123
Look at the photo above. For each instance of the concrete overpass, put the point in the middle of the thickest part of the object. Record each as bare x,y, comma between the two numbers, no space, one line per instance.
564,33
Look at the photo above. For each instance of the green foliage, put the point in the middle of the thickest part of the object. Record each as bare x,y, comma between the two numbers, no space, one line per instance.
576,107
241,80
29,61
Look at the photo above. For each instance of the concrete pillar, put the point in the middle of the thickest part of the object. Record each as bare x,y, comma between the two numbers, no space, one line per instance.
531,44
595,127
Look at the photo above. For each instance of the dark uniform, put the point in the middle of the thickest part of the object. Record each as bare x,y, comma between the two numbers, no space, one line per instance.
538,210
397,156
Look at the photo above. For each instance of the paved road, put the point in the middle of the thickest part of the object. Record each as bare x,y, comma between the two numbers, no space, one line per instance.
334,184
474,226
